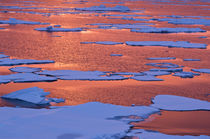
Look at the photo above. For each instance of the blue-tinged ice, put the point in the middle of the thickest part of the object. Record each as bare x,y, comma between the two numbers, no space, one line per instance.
161,58
117,8
163,65
25,69
116,55
191,59
146,78
186,74
3,56
58,29
168,69
201,70
16,21
157,73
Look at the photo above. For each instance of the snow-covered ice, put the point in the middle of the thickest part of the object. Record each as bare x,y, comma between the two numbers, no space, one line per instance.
179,103
161,58
81,121
16,21
33,95
170,44
58,29
117,8
201,70
186,74
25,69
146,78
163,65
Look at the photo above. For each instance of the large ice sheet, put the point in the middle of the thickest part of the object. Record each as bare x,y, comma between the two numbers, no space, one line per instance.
168,30
12,62
16,21
176,44
25,69
179,103
87,121
201,70
58,29
117,8
33,95
145,134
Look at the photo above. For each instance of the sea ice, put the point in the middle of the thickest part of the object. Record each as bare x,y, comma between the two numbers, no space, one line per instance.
179,103
103,42
58,29
163,65
191,59
161,58
156,73
128,73
146,78
25,69
16,21
116,55
117,8
170,44
33,95
201,70
186,74
12,62
169,70
3,56
168,30
81,121
2,28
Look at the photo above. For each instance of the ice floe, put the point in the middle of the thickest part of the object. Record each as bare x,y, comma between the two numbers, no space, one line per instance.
191,59
81,75
25,69
167,30
116,55
16,21
12,62
33,95
168,69
103,42
186,74
146,78
128,73
81,121
26,77
117,8
58,29
161,58
163,65
3,56
201,70
156,73
179,103
176,44
148,134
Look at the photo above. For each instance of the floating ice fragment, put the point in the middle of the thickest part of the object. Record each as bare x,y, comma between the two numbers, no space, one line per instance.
186,74
168,30
25,69
33,95
156,73
58,29
16,21
201,70
117,8
202,37
103,42
179,103
116,55
191,59
163,65
2,28
177,44
169,70
3,56
4,81
146,78
161,58
83,121
128,73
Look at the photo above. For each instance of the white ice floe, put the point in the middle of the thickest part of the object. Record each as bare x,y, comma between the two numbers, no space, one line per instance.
12,62
27,77
177,44
168,30
33,95
58,29
148,134
191,59
186,74
117,8
81,75
92,120
3,56
188,21
16,21
156,73
146,78
103,42
25,69
163,65
161,58
116,55
179,103
201,70
169,70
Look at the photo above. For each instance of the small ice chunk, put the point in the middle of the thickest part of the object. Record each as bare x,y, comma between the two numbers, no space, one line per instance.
117,8
16,21
33,95
58,29
156,73
103,42
56,100
2,28
3,56
25,69
146,78
186,74
179,103
169,70
163,65
116,55
191,59
161,58
170,44
57,26
201,70
203,37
